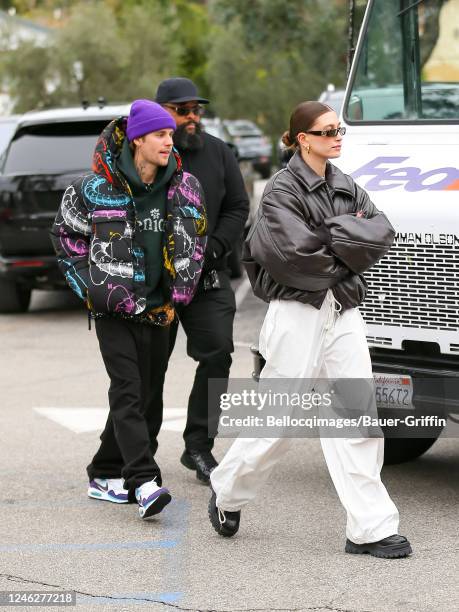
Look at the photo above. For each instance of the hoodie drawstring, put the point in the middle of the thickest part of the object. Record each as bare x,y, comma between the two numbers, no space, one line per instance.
333,312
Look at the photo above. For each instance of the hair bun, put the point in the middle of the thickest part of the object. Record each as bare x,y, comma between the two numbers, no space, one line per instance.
286,139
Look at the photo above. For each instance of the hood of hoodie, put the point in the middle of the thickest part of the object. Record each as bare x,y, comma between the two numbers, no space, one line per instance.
108,150
125,163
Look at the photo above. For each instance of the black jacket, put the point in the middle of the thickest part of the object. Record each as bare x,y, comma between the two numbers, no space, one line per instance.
227,203
308,238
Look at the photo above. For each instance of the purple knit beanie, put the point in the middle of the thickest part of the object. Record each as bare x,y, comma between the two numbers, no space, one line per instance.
147,116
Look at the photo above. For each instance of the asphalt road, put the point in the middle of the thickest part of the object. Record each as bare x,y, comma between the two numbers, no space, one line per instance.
288,554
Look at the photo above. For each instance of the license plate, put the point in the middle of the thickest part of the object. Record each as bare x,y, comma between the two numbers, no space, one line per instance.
393,390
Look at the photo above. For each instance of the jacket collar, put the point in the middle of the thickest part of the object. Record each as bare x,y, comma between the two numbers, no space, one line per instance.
336,179
108,149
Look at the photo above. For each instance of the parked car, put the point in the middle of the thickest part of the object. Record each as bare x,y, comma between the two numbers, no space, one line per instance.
48,150
251,144
215,127
333,97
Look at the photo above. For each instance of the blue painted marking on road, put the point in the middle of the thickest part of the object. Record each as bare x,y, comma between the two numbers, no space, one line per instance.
140,599
26,505
147,544
174,526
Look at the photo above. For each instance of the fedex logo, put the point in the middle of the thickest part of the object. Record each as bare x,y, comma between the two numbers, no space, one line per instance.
408,177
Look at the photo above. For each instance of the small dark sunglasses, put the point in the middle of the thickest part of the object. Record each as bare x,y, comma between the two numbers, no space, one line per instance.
183,111
333,132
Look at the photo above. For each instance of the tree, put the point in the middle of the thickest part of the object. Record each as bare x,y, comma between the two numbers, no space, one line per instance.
192,26
268,56
24,75
87,55
150,51
253,59
99,52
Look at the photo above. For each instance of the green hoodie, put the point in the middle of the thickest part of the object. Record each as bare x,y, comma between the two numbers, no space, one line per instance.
150,203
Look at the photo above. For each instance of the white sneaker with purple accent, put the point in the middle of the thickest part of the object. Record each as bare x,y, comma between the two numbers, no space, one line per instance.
151,498
108,489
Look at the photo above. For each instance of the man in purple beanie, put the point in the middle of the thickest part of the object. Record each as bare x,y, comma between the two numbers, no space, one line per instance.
130,240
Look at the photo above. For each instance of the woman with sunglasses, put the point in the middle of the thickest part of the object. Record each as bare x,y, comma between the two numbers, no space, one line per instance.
316,233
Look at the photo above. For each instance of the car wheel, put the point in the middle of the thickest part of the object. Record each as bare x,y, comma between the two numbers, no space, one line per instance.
396,450
13,297
402,444
400,450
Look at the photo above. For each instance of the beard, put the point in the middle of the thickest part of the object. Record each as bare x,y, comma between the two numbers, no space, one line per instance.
186,141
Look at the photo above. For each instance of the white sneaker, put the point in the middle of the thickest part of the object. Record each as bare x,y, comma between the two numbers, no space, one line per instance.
151,498
108,489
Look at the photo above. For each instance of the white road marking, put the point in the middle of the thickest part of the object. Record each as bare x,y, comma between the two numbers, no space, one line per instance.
84,420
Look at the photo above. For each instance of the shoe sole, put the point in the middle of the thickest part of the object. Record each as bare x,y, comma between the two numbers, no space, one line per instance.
155,507
95,494
216,523
392,552
189,463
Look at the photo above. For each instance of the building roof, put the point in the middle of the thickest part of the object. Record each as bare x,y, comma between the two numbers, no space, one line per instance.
24,23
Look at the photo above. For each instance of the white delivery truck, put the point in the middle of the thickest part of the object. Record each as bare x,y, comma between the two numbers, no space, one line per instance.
401,111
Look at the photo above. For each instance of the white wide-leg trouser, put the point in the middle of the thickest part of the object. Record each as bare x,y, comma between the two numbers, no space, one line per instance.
299,341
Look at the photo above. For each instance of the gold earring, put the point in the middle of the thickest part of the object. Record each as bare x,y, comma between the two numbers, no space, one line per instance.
308,149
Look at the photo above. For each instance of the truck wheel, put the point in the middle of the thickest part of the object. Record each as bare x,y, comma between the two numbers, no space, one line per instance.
13,297
399,450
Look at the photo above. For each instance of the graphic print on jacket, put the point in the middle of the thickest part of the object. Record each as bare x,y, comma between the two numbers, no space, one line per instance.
150,203
94,236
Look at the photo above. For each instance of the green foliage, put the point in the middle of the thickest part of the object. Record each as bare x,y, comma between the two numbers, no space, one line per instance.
122,58
268,56
191,25
254,59
90,37
27,69
265,22
119,50
150,53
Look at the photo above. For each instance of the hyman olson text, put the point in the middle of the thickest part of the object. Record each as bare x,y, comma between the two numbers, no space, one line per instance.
258,400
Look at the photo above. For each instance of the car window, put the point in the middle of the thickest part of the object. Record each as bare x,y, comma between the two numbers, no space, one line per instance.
54,148
243,128
407,68
213,130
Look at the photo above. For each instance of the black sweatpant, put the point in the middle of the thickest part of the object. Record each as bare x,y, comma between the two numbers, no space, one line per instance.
135,357
208,325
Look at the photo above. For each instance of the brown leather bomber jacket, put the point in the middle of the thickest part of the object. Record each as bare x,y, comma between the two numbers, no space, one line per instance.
308,238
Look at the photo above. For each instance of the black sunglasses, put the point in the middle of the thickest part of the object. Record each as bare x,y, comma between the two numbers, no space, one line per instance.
183,111
332,132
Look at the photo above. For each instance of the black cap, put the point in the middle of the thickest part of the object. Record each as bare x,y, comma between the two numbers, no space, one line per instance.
178,90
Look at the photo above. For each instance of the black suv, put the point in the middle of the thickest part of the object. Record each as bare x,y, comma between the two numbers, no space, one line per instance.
48,150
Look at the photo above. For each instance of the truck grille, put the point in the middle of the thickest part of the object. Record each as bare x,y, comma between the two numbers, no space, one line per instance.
414,286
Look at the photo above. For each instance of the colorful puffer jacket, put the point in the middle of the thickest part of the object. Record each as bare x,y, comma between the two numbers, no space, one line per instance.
94,236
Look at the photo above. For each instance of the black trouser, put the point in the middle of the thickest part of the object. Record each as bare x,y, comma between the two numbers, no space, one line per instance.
135,357
208,325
